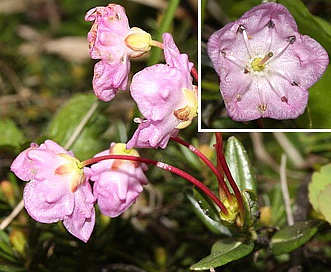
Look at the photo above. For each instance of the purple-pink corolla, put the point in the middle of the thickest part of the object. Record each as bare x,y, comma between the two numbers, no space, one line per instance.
117,183
113,41
265,65
57,188
165,97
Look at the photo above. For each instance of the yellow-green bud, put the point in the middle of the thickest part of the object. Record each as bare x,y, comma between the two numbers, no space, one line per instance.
139,41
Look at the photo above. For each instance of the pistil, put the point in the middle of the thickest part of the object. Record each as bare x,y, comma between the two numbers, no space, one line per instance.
265,59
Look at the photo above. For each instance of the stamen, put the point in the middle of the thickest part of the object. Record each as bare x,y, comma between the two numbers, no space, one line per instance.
283,75
273,88
265,59
280,51
242,29
242,92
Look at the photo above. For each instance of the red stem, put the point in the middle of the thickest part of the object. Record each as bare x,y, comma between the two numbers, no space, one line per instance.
194,73
221,159
164,166
221,183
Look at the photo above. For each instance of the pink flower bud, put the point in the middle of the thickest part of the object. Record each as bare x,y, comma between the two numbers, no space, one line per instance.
117,183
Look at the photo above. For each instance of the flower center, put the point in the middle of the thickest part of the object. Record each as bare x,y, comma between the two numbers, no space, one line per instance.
256,65
73,169
186,114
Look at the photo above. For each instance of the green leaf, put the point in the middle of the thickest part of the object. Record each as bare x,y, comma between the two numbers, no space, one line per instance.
250,207
223,252
11,135
6,251
69,117
10,268
318,182
324,202
207,212
239,164
291,237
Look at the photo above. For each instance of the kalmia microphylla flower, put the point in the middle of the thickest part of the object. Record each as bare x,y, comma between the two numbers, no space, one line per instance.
117,183
113,41
265,65
57,188
165,97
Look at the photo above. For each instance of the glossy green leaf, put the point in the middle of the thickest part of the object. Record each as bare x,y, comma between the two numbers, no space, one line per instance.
207,213
324,202
250,207
9,132
318,182
69,117
291,237
223,252
239,164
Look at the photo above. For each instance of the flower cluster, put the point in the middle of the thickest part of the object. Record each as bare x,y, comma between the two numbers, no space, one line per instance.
63,186
265,65
67,189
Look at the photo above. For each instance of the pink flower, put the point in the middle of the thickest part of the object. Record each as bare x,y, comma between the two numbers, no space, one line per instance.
57,188
265,65
166,98
113,41
117,182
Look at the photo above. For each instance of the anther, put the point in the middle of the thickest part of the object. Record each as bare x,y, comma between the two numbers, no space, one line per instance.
284,99
271,24
238,97
241,29
294,83
246,71
223,53
291,39
262,107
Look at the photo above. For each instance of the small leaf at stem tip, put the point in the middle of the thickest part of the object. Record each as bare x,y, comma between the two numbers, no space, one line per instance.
239,164
292,237
223,252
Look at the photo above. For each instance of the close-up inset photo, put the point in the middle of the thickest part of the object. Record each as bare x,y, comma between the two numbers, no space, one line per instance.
265,65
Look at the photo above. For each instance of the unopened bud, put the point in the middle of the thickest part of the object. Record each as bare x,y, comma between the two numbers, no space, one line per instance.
139,41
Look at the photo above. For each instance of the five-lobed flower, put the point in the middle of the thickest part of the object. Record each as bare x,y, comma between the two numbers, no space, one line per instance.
113,41
265,65
165,97
57,189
